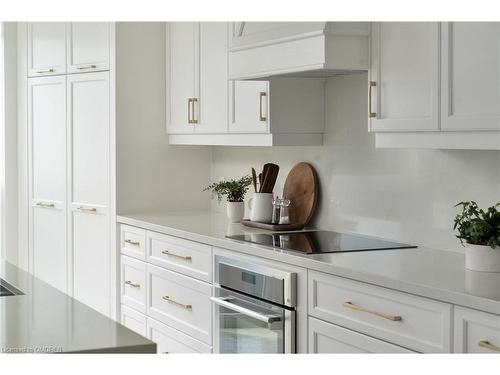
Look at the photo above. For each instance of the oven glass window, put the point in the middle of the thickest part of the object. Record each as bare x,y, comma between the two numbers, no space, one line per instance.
241,328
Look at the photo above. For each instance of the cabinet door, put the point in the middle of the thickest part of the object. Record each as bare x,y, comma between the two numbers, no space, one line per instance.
249,107
88,46
47,166
476,331
470,76
405,70
46,48
89,125
182,73
329,338
211,107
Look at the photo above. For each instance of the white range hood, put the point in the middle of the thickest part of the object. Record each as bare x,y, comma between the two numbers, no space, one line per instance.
304,49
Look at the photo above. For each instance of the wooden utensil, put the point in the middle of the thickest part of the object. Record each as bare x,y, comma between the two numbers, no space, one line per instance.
301,187
260,181
270,176
254,179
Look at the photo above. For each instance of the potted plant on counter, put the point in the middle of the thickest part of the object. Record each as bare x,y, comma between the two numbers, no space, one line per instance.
480,231
234,191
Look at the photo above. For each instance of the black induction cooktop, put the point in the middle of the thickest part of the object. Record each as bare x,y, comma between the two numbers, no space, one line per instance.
316,242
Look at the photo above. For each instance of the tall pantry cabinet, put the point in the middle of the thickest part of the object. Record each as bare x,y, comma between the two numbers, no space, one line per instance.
71,157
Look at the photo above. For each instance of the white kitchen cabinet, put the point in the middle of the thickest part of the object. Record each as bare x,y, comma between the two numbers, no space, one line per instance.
47,170
476,331
134,320
404,77
182,43
89,187
197,77
250,101
329,338
46,48
133,283
88,46
470,74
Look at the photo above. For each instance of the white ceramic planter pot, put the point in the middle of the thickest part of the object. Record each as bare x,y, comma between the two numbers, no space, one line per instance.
235,211
482,258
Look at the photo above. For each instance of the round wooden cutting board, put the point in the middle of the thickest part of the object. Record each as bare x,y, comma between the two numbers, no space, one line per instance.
301,187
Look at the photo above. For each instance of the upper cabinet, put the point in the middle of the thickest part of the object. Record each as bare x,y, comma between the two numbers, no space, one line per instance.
435,85
46,48
470,76
58,48
204,107
197,77
264,49
88,46
404,77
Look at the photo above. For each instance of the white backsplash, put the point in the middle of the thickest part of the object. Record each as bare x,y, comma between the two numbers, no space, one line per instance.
405,195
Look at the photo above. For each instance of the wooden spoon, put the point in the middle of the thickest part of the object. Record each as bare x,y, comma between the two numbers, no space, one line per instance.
254,179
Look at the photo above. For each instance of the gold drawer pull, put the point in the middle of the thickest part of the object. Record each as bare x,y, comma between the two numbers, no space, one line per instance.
45,205
193,119
186,258
132,242
486,344
87,209
262,95
350,305
370,85
131,284
86,67
187,307
45,71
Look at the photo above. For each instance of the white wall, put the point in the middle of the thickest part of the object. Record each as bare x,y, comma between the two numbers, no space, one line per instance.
406,195
151,174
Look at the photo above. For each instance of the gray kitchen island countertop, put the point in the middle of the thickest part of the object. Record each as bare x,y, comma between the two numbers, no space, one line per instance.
45,320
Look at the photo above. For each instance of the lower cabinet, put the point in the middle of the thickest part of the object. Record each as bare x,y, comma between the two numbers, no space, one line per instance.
329,338
476,331
171,341
133,320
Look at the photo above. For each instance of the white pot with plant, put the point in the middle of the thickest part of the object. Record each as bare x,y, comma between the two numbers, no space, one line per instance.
234,191
479,232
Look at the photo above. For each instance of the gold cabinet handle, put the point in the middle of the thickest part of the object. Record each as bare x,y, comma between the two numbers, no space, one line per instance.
131,284
87,209
193,119
45,71
394,318
86,67
370,85
132,242
486,344
189,111
186,258
45,205
262,95
168,299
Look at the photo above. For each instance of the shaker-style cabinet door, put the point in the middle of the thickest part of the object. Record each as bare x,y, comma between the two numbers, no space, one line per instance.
46,48
47,179
89,224
470,76
211,105
88,46
249,107
403,88
182,74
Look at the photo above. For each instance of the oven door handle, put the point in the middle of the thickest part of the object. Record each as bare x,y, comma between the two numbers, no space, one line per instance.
224,301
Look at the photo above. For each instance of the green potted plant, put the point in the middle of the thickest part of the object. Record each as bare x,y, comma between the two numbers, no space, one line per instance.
479,232
234,191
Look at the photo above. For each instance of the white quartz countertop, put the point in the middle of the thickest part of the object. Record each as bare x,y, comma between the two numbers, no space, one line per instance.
430,273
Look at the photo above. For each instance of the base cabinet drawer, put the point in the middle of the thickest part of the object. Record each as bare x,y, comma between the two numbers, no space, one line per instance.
329,338
180,302
189,258
412,322
133,320
133,242
476,331
170,341
133,283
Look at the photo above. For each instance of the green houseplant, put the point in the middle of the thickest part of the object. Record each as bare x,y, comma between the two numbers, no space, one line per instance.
234,191
479,231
